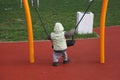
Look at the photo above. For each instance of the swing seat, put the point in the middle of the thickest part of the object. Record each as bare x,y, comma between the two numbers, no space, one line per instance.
70,42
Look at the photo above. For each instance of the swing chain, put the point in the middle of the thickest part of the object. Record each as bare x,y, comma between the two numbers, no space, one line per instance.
91,1
39,16
69,42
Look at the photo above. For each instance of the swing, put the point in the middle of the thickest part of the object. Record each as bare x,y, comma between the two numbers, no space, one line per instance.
69,42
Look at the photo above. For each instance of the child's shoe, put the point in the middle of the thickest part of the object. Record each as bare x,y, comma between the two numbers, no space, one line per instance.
66,61
55,63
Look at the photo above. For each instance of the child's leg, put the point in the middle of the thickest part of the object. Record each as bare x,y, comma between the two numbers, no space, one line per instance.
65,56
56,57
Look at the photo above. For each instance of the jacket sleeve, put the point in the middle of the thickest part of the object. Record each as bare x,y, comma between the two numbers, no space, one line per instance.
49,37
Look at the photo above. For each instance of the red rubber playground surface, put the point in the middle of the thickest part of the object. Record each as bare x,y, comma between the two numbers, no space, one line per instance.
84,64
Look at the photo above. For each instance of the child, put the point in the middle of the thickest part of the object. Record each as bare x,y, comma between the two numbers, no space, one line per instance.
58,38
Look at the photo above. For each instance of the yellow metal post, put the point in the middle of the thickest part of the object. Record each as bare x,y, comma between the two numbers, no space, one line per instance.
102,30
30,32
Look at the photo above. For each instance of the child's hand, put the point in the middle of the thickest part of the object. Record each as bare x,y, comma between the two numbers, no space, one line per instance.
72,30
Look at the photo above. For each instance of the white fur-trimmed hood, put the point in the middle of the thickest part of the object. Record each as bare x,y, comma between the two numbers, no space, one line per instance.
58,27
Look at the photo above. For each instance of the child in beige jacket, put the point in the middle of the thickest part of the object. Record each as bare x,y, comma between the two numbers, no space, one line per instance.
58,38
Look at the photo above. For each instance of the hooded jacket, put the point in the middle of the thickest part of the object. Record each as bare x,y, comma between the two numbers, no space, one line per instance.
58,37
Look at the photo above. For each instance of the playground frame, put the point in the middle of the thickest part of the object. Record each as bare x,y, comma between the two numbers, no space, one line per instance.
102,30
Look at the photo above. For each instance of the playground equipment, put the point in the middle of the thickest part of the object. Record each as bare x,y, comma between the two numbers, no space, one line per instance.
102,30
30,32
21,1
